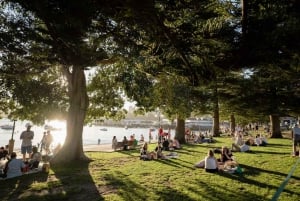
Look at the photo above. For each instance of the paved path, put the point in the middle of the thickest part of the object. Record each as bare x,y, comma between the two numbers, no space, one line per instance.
101,147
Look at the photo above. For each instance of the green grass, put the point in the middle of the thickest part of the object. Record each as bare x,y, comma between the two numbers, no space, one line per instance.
123,176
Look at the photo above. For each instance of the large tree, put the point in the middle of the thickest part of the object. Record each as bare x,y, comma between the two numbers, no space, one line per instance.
47,36
193,42
270,50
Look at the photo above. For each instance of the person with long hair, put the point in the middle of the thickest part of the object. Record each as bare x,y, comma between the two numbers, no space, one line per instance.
210,162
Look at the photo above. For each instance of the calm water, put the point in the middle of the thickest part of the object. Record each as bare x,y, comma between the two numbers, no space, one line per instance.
91,134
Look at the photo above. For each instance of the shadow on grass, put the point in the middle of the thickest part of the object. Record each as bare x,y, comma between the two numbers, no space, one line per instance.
276,145
16,188
130,190
173,162
226,192
269,152
248,170
73,182
130,152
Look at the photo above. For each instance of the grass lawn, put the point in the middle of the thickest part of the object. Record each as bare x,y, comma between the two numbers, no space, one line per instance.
123,176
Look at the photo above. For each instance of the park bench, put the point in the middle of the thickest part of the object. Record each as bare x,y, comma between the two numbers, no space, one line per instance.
131,145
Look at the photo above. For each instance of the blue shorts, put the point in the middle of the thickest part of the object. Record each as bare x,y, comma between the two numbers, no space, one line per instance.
296,140
27,149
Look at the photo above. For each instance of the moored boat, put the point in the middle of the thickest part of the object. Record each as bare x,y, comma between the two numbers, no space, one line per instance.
7,127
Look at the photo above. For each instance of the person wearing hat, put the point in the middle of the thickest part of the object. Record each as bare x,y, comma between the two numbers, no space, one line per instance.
26,137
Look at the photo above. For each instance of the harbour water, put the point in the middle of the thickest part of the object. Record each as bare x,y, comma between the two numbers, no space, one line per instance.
91,134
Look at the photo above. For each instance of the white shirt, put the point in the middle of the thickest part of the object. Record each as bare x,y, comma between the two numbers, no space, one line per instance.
238,141
210,163
257,141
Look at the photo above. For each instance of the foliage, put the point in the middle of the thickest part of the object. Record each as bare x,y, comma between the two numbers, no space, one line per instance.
105,95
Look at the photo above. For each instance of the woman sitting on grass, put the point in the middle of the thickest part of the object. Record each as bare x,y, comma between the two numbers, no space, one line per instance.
176,144
144,152
225,155
210,162
35,159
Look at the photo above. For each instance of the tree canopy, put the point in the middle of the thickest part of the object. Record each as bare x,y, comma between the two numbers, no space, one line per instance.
184,55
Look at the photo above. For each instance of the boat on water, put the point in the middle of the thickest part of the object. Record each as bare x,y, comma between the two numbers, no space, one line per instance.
51,128
7,127
103,129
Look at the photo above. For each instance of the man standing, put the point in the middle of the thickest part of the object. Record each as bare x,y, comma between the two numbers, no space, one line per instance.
26,137
296,138
49,140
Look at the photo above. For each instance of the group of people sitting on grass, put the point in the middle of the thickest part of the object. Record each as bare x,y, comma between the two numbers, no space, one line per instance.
226,161
11,166
157,153
201,138
242,145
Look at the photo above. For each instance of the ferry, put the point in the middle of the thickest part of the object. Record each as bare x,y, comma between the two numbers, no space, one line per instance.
7,127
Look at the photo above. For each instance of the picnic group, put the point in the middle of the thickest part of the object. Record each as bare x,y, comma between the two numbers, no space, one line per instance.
31,159
162,140
222,159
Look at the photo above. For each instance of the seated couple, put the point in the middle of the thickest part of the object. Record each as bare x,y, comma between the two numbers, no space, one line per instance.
211,164
149,155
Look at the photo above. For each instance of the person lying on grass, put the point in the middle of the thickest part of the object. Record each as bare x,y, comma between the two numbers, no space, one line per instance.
243,148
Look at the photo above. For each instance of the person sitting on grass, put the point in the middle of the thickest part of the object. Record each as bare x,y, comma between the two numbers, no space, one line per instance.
35,159
165,144
210,162
114,143
176,144
263,139
225,155
145,155
125,143
238,139
14,166
243,148
158,152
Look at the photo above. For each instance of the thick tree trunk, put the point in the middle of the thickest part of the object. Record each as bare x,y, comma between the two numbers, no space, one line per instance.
216,116
180,130
216,124
72,149
275,126
232,123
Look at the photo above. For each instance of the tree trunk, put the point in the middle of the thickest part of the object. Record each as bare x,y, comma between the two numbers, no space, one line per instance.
216,124
232,123
275,126
216,116
72,149
180,131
